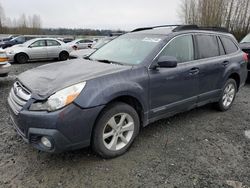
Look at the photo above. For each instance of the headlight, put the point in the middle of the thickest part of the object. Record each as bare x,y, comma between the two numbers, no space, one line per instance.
11,52
59,99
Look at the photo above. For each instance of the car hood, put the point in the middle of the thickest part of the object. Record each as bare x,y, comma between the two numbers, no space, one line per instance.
45,80
82,53
15,48
245,46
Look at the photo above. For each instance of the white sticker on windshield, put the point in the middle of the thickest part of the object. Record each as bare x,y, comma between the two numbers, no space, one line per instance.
151,39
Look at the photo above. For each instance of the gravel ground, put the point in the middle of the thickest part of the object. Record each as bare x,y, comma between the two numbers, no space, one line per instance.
200,148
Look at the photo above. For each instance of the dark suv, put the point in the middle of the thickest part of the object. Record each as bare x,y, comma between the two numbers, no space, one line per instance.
136,79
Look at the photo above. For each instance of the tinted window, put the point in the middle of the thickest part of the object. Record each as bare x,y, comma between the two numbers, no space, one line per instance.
39,43
229,45
53,43
222,51
181,47
207,46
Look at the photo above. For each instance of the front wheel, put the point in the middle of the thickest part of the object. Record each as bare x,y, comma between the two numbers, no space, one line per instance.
21,58
115,131
228,95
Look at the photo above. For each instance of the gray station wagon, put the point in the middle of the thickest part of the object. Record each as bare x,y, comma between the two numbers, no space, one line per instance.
104,100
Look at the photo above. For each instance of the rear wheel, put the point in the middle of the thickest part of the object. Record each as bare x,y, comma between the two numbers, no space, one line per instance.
21,58
63,56
115,130
228,95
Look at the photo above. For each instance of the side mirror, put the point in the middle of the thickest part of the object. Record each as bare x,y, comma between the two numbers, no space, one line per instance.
167,62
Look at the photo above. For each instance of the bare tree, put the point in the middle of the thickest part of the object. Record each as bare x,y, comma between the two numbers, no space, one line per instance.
2,19
232,14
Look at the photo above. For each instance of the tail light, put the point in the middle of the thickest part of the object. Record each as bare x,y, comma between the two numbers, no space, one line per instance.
245,57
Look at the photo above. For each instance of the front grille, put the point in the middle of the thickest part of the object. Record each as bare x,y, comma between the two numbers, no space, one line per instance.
18,97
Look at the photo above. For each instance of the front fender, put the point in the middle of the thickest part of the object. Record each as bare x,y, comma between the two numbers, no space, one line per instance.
96,95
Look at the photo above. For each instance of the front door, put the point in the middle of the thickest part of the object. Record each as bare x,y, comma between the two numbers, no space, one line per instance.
175,89
37,50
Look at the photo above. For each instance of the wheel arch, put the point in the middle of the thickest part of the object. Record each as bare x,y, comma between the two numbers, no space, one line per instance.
15,56
236,77
64,51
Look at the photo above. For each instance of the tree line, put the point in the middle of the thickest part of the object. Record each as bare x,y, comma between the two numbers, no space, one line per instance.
32,25
231,14
22,25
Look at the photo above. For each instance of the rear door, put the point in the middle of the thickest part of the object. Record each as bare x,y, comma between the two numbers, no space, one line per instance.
175,89
212,62
53,48
84,44
37,50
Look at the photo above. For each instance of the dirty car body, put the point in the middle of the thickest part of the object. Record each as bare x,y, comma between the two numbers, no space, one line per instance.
138,79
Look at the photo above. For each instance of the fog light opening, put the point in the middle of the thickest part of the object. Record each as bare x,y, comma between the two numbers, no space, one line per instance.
46,142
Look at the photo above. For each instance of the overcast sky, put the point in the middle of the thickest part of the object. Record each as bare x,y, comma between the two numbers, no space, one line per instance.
100,14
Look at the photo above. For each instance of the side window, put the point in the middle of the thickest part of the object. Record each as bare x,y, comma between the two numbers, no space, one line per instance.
20,39
181,47
207,46
81,41
229,45
222,51
39,43
53,43
85,41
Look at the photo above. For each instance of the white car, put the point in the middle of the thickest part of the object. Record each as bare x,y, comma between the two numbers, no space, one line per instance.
4,64
81,44
39,48
85,52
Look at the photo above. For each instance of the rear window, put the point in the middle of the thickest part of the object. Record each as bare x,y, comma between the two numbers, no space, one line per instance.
229,45
207,46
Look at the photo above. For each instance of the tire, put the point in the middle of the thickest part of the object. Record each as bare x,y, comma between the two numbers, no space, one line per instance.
4,75
119,138
21,58
228,95
63,56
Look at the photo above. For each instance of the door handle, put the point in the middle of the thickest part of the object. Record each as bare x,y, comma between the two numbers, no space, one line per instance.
194,71
225,63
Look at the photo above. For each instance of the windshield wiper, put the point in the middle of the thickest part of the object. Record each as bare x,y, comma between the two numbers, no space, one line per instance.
107,61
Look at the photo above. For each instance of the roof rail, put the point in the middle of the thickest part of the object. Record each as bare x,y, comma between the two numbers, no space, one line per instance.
185,27
195,27
148,28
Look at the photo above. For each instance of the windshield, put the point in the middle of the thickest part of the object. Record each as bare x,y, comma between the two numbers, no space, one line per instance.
246,39
101,43
128,49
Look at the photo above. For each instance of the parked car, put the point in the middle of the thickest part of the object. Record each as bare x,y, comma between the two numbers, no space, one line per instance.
39,48
134,80
4,64
81,44
3,40
14,41
245,46
85,52
67,40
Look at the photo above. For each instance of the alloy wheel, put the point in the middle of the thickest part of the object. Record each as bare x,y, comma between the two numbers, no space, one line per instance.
229,94
118,131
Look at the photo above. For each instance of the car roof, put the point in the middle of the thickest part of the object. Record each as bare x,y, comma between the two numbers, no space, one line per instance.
177,29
